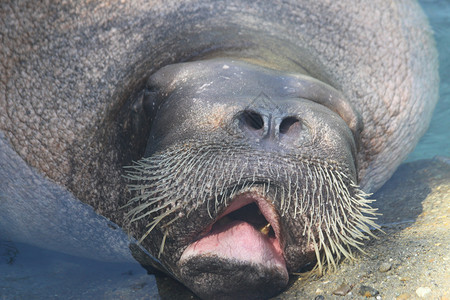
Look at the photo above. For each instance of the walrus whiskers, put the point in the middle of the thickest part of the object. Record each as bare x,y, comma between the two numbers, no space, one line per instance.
334,212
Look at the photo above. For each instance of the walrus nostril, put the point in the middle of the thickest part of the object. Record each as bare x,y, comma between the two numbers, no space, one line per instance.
289,124
252,120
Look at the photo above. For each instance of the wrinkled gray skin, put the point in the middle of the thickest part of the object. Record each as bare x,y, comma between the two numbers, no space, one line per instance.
76,106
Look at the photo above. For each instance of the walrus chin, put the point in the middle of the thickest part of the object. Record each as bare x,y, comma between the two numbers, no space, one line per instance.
247,237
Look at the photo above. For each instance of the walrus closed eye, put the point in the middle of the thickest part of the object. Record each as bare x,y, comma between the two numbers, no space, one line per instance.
250,191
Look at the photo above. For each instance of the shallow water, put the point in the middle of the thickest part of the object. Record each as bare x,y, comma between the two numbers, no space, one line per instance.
31,273
436,140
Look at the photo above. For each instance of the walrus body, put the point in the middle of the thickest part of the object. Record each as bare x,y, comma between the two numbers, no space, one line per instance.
282,113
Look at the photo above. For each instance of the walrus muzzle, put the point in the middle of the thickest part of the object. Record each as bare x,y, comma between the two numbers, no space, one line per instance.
243,182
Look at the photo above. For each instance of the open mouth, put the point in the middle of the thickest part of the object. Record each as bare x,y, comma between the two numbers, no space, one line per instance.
247,232
249,213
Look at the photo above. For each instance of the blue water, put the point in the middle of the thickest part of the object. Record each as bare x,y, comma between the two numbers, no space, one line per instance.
28,272
31,273
436,140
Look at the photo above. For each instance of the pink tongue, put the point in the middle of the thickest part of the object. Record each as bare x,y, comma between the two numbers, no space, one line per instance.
239,241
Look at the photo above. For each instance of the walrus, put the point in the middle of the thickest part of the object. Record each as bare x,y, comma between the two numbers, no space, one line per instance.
227,144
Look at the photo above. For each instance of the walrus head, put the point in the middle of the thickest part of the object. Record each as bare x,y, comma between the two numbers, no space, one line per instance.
249,174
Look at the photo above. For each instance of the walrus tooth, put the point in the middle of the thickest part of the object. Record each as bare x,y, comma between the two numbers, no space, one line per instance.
265,229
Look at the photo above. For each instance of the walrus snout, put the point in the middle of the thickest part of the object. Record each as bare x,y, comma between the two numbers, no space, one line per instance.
270,127
267,125
257,176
